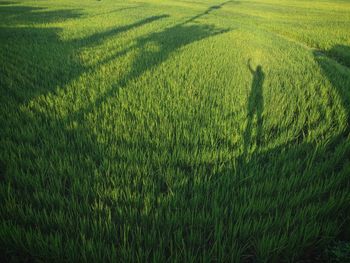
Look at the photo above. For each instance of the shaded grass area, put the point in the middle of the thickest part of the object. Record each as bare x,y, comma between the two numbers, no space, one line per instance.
170,134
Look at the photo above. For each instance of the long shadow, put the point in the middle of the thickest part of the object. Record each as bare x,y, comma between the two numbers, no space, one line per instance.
255,108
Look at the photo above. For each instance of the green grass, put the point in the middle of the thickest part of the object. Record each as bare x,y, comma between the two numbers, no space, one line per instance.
174,130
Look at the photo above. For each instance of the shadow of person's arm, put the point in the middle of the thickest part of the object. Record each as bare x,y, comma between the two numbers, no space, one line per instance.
250,67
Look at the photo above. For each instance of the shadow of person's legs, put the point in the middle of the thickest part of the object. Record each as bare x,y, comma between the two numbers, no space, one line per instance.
254,111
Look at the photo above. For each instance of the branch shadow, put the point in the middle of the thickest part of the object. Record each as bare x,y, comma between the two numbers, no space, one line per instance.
211,9
97,38
167,42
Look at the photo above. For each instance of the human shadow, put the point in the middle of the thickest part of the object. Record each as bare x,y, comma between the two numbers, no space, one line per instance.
289,188
291,178
292,186
255,108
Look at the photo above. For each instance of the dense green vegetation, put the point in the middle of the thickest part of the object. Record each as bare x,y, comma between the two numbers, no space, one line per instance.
174,130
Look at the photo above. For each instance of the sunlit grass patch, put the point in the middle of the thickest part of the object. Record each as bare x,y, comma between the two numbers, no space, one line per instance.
178,131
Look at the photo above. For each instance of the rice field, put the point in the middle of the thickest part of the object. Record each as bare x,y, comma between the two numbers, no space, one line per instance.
174,131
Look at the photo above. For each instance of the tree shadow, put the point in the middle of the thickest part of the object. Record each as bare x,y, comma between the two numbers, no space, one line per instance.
19,14
8,2
255,108
67,156
166,42
32,57
36,62
37,54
